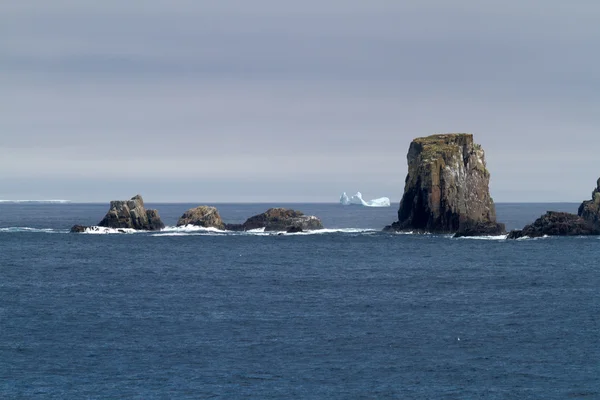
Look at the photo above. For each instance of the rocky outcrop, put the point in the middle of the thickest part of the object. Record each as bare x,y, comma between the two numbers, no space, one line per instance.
131,214
590,210
279,219
555,223
204,216
128,214
446,189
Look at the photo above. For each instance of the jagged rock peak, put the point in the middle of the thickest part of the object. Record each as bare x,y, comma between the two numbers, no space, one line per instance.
447,187
131,214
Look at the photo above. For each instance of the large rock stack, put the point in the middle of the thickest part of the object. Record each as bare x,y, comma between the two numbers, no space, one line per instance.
447,188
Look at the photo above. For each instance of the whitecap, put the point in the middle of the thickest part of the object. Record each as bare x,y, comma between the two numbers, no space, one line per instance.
101,230
492,237
319,232
191,229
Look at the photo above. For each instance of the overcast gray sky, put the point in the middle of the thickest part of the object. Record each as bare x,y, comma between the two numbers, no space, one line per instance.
275,100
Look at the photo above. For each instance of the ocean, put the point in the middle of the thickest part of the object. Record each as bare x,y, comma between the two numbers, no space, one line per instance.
345,313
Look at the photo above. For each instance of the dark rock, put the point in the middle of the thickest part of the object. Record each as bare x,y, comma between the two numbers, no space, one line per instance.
78,228
446,188
555,223
234,227
481,229
515,234
131,214
204,216
278,219
590,210
294,229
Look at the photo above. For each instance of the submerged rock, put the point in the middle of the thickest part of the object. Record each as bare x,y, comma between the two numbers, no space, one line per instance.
447,188
78,228
128,214
555,223
204,216
279,219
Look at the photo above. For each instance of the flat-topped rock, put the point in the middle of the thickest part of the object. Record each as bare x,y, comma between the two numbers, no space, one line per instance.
279,219
205,216
447,188
555,223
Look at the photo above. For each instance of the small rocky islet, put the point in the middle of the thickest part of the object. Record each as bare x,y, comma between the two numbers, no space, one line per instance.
131,214
446,191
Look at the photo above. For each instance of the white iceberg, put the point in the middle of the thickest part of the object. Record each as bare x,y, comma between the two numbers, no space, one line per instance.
358,200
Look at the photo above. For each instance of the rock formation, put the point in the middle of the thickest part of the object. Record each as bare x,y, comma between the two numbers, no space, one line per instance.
130,214
279,219
555,223
446,189
204,216
590,209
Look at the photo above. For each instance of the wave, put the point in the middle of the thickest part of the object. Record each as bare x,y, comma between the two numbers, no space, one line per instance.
101,230
494,237
191,230
536,238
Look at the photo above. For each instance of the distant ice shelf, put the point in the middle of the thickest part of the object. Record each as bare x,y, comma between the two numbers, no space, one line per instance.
52,201
358,200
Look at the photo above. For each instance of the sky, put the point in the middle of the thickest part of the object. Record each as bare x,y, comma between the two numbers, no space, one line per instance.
292,101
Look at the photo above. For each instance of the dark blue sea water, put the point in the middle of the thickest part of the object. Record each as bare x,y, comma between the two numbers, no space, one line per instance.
346,314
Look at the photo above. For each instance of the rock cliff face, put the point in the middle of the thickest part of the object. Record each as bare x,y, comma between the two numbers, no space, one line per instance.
205,216
590,209
279,219
131,214
446,189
